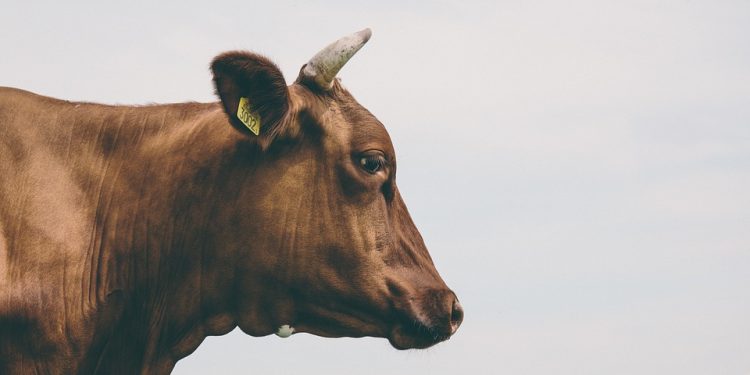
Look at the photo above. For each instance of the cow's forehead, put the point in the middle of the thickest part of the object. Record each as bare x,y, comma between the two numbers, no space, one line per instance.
367,130
363,130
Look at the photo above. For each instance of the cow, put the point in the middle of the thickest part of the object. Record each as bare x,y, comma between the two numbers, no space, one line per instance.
128,234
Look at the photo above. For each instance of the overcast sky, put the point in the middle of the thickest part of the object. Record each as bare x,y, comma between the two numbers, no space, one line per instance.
580,170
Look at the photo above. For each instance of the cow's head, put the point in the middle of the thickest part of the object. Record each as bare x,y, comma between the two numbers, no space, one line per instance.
328,246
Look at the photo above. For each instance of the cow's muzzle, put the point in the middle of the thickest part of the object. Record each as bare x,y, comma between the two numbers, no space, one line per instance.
427,320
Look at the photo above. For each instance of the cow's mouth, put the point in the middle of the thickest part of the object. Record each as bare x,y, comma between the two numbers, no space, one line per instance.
415,335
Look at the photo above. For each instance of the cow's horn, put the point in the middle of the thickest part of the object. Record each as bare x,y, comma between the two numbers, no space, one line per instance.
324,66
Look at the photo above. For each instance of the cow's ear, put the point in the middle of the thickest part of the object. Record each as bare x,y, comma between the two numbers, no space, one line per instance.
253,92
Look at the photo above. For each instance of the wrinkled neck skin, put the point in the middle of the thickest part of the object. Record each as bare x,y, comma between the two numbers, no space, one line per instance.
195,225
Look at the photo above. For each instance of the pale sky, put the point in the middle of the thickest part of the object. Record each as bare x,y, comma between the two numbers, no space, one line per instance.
579,170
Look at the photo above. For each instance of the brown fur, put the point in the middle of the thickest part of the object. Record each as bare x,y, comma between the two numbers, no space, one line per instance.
129,234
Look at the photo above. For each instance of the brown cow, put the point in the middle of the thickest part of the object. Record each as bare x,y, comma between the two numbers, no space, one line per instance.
128,234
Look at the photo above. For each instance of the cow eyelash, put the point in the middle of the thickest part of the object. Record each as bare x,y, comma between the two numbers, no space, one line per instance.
372,163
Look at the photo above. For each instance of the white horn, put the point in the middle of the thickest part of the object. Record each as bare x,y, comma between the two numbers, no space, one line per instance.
324,66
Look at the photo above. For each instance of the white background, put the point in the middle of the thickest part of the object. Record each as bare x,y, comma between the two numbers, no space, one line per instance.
580,170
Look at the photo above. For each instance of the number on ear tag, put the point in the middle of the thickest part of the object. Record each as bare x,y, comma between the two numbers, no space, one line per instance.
250,119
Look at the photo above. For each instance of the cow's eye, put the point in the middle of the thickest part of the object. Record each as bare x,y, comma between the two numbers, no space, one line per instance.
372,163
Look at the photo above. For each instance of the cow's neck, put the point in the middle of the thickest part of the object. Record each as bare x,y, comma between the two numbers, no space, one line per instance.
165,273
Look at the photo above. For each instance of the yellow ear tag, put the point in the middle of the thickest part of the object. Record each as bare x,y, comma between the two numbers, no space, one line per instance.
250,119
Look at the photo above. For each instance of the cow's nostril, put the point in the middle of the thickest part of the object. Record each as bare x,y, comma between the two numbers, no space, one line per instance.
457,316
